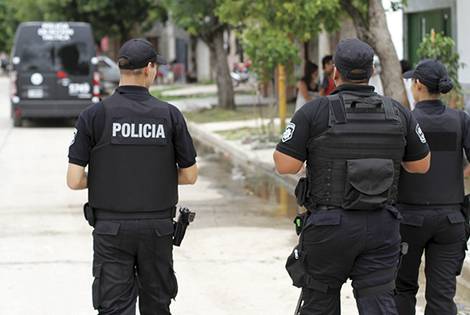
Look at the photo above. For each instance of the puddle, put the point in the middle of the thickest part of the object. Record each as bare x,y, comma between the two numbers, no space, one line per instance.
249,180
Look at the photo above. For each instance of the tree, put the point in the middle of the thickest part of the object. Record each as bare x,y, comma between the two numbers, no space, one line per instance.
198,18
369,20
304,19
115,18
440,47
268,28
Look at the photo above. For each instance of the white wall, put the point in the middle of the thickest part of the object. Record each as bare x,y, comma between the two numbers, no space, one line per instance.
463,44
395,26
203,62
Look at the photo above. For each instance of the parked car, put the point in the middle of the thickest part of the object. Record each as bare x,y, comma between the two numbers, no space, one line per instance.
109,72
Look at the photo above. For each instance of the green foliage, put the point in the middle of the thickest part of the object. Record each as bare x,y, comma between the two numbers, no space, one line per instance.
268,29
441,48
194,16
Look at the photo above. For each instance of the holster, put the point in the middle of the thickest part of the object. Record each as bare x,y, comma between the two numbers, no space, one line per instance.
89,214
301,192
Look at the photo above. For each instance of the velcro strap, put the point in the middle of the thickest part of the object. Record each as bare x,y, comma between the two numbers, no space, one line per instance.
389,109
380,289
376,274
338,109
316,285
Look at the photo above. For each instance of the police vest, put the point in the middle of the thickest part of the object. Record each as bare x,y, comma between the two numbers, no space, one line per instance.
443,182
355,163
133,168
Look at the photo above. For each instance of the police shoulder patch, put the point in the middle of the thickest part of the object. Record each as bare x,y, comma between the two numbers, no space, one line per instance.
420,133
289,132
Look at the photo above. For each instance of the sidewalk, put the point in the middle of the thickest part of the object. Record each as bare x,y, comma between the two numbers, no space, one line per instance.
260,158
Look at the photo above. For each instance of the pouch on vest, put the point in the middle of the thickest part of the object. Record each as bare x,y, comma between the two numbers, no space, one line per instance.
301,191
89,214
368,183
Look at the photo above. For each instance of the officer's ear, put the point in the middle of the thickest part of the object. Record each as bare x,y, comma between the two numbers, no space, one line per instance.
147,69
335,74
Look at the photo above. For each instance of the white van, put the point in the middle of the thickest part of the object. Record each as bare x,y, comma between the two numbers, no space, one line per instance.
54,70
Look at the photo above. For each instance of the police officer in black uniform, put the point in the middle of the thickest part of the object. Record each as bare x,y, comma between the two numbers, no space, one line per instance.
138,150
430,204
354,142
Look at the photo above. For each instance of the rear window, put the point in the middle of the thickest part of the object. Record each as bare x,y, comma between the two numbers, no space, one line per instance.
53,47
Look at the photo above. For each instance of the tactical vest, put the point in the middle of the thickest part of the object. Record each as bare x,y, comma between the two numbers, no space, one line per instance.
133,168
355,163
443,183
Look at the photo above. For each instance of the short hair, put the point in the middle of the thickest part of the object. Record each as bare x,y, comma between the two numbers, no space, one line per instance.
405,65
325,60
123,61
350,81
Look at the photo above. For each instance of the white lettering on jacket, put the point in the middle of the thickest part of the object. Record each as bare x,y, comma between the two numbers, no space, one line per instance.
134,130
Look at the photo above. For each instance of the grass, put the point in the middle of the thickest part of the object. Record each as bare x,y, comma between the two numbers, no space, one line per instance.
218,114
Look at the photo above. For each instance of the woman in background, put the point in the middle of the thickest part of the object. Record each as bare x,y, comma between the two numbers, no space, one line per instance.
307,88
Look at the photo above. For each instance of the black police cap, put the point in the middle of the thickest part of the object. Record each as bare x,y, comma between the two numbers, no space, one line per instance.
139,52
354,54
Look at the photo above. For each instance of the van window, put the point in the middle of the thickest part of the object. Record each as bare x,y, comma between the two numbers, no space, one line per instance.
36,54
73,58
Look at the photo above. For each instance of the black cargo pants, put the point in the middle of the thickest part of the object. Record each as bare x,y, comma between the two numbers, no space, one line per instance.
133,258
441,235
342,244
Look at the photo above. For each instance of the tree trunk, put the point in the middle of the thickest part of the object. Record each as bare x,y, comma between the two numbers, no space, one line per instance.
377,35
224,82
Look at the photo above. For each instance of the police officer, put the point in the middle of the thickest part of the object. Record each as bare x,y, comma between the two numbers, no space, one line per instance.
430,204
138,150
354,142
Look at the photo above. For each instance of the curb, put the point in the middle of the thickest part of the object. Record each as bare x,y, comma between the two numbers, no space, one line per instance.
242,153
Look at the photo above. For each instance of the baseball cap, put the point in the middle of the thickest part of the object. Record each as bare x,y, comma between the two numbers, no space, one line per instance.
354,54
433,74
139,52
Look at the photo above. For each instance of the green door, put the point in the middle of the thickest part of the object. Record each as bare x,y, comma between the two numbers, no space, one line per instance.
420,24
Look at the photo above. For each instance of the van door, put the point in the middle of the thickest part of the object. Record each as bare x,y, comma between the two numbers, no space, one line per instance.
74,76
36,74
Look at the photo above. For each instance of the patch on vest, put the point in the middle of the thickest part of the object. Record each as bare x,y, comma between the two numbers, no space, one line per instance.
75,131
138,131
289,132
420,133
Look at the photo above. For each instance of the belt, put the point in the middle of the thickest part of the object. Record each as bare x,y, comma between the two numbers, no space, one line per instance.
101,214
408,206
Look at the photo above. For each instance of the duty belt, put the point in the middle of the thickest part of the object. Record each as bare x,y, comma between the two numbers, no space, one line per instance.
101,214
408,206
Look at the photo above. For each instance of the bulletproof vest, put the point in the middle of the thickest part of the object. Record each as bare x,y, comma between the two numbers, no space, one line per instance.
133,166
443,183
355,163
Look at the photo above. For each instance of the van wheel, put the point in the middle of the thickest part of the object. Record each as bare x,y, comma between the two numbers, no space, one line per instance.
17,121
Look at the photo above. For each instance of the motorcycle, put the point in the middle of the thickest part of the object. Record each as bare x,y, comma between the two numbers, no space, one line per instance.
240,72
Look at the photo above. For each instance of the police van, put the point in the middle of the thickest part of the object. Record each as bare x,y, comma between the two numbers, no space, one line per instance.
53,70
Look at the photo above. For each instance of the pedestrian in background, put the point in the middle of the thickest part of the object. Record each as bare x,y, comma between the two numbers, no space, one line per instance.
326,82
307,88
406,66
430,204
354,142
138,150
